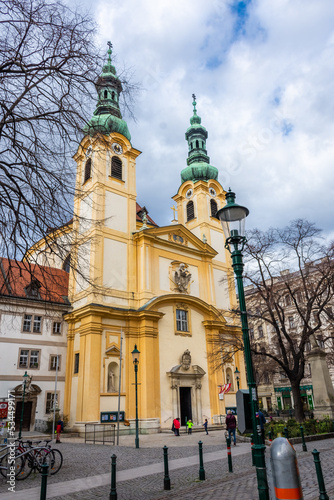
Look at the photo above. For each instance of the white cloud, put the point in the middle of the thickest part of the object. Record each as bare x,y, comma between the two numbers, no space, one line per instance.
264,86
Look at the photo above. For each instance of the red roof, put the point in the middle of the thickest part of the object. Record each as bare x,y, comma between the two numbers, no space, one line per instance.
138,217
32,281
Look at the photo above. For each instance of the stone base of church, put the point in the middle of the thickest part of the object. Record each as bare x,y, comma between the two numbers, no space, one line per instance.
145,426
323,411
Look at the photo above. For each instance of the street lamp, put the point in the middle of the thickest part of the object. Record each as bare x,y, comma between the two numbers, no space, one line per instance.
135,356
24,382
232,218
236,374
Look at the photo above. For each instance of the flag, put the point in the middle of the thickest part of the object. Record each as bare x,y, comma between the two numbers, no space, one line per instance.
223,390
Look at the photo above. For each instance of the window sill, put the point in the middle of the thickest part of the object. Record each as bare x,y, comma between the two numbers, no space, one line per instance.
116,179
183,334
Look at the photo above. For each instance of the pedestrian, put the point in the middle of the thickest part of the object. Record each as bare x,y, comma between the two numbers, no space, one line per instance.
231,424
177,426
189,426
59,430
262,419
205,425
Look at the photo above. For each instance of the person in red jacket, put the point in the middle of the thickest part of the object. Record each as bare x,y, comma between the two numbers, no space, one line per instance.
177,426
231,424
59,429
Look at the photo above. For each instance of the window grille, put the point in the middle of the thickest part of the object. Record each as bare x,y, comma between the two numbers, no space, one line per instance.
34,359
37,328
214,208
27,322
190,211
56,328
181,320
76,362
116,167
88,169
24,354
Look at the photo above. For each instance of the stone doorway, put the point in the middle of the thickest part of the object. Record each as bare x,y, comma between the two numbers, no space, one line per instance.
185,405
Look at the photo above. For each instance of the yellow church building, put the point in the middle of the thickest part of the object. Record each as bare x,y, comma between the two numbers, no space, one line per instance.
167,290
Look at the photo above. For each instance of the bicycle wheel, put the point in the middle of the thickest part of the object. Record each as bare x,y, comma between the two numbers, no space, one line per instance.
56,461
26,468
9,464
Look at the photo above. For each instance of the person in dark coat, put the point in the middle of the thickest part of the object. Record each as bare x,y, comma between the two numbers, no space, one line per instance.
231,425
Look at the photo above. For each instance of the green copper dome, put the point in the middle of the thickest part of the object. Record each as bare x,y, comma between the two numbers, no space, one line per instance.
107,117
198,162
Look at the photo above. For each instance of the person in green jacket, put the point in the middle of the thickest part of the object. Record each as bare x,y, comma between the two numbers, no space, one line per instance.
189,426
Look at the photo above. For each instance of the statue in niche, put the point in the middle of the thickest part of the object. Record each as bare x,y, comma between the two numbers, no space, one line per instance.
186,360
111,380
182,278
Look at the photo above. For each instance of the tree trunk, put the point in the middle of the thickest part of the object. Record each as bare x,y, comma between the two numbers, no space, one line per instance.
298,404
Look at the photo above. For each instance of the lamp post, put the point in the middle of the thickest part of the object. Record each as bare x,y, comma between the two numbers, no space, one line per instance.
135,356
232,218
236,374
25,377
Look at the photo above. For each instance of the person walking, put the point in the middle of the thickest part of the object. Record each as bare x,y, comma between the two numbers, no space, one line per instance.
177,426
231,424
205,425
59,430
189,426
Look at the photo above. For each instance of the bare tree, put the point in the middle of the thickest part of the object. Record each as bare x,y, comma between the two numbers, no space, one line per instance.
291,273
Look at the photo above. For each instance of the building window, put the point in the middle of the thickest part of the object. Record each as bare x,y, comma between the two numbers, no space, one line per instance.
260,332
67,263
116,167
213,207
56,328
88,169
29,358
53,362
266,379
307,346
251,333
197,144
181,320
291,322
288,300
320,342
76,362
105,94
32,322
37,328
27,322
50,398
190,211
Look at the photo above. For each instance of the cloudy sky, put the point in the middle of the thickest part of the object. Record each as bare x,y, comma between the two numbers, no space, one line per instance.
263,74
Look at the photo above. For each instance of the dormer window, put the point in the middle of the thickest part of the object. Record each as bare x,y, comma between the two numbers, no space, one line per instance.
32,290
88,170
116,167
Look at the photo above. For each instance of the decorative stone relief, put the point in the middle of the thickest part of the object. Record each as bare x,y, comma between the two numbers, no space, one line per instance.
186,360
180,277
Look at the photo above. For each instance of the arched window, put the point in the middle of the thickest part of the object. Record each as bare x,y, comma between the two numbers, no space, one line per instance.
88,170
197,144
190,211
229,378
214,208
113,95
116,167
191,145
203,144
105,94
67,263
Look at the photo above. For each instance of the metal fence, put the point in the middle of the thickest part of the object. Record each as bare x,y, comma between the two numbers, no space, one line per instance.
100,433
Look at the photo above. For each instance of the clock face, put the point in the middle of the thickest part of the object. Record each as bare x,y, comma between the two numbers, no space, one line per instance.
89,151
189,193
212,192
117,148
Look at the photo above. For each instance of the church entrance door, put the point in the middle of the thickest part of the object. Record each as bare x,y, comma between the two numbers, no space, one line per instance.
26,415
185,404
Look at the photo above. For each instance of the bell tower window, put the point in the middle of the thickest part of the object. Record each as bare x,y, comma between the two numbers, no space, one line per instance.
88,170
214,208
113,95
105,94
190,211
116,167
197,144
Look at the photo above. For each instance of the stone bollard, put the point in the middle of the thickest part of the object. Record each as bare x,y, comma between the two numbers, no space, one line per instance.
285,470
201,465
113,492
166,471
229,455
323,495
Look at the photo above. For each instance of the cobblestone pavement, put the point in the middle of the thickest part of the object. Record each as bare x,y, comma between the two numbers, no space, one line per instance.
81,461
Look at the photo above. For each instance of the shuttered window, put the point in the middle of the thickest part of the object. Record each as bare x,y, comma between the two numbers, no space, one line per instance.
214,208
88,170
190,211
116,167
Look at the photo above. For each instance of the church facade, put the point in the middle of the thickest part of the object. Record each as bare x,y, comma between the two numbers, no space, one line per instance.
167,290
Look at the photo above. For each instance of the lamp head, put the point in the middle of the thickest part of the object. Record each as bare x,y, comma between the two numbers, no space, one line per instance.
135,355
232,218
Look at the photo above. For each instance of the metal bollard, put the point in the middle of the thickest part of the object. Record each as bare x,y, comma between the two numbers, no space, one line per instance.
286,433
285,470
229,455
323,495
45,468
166,476
270,437
252,444
201,466
113,492
303,439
